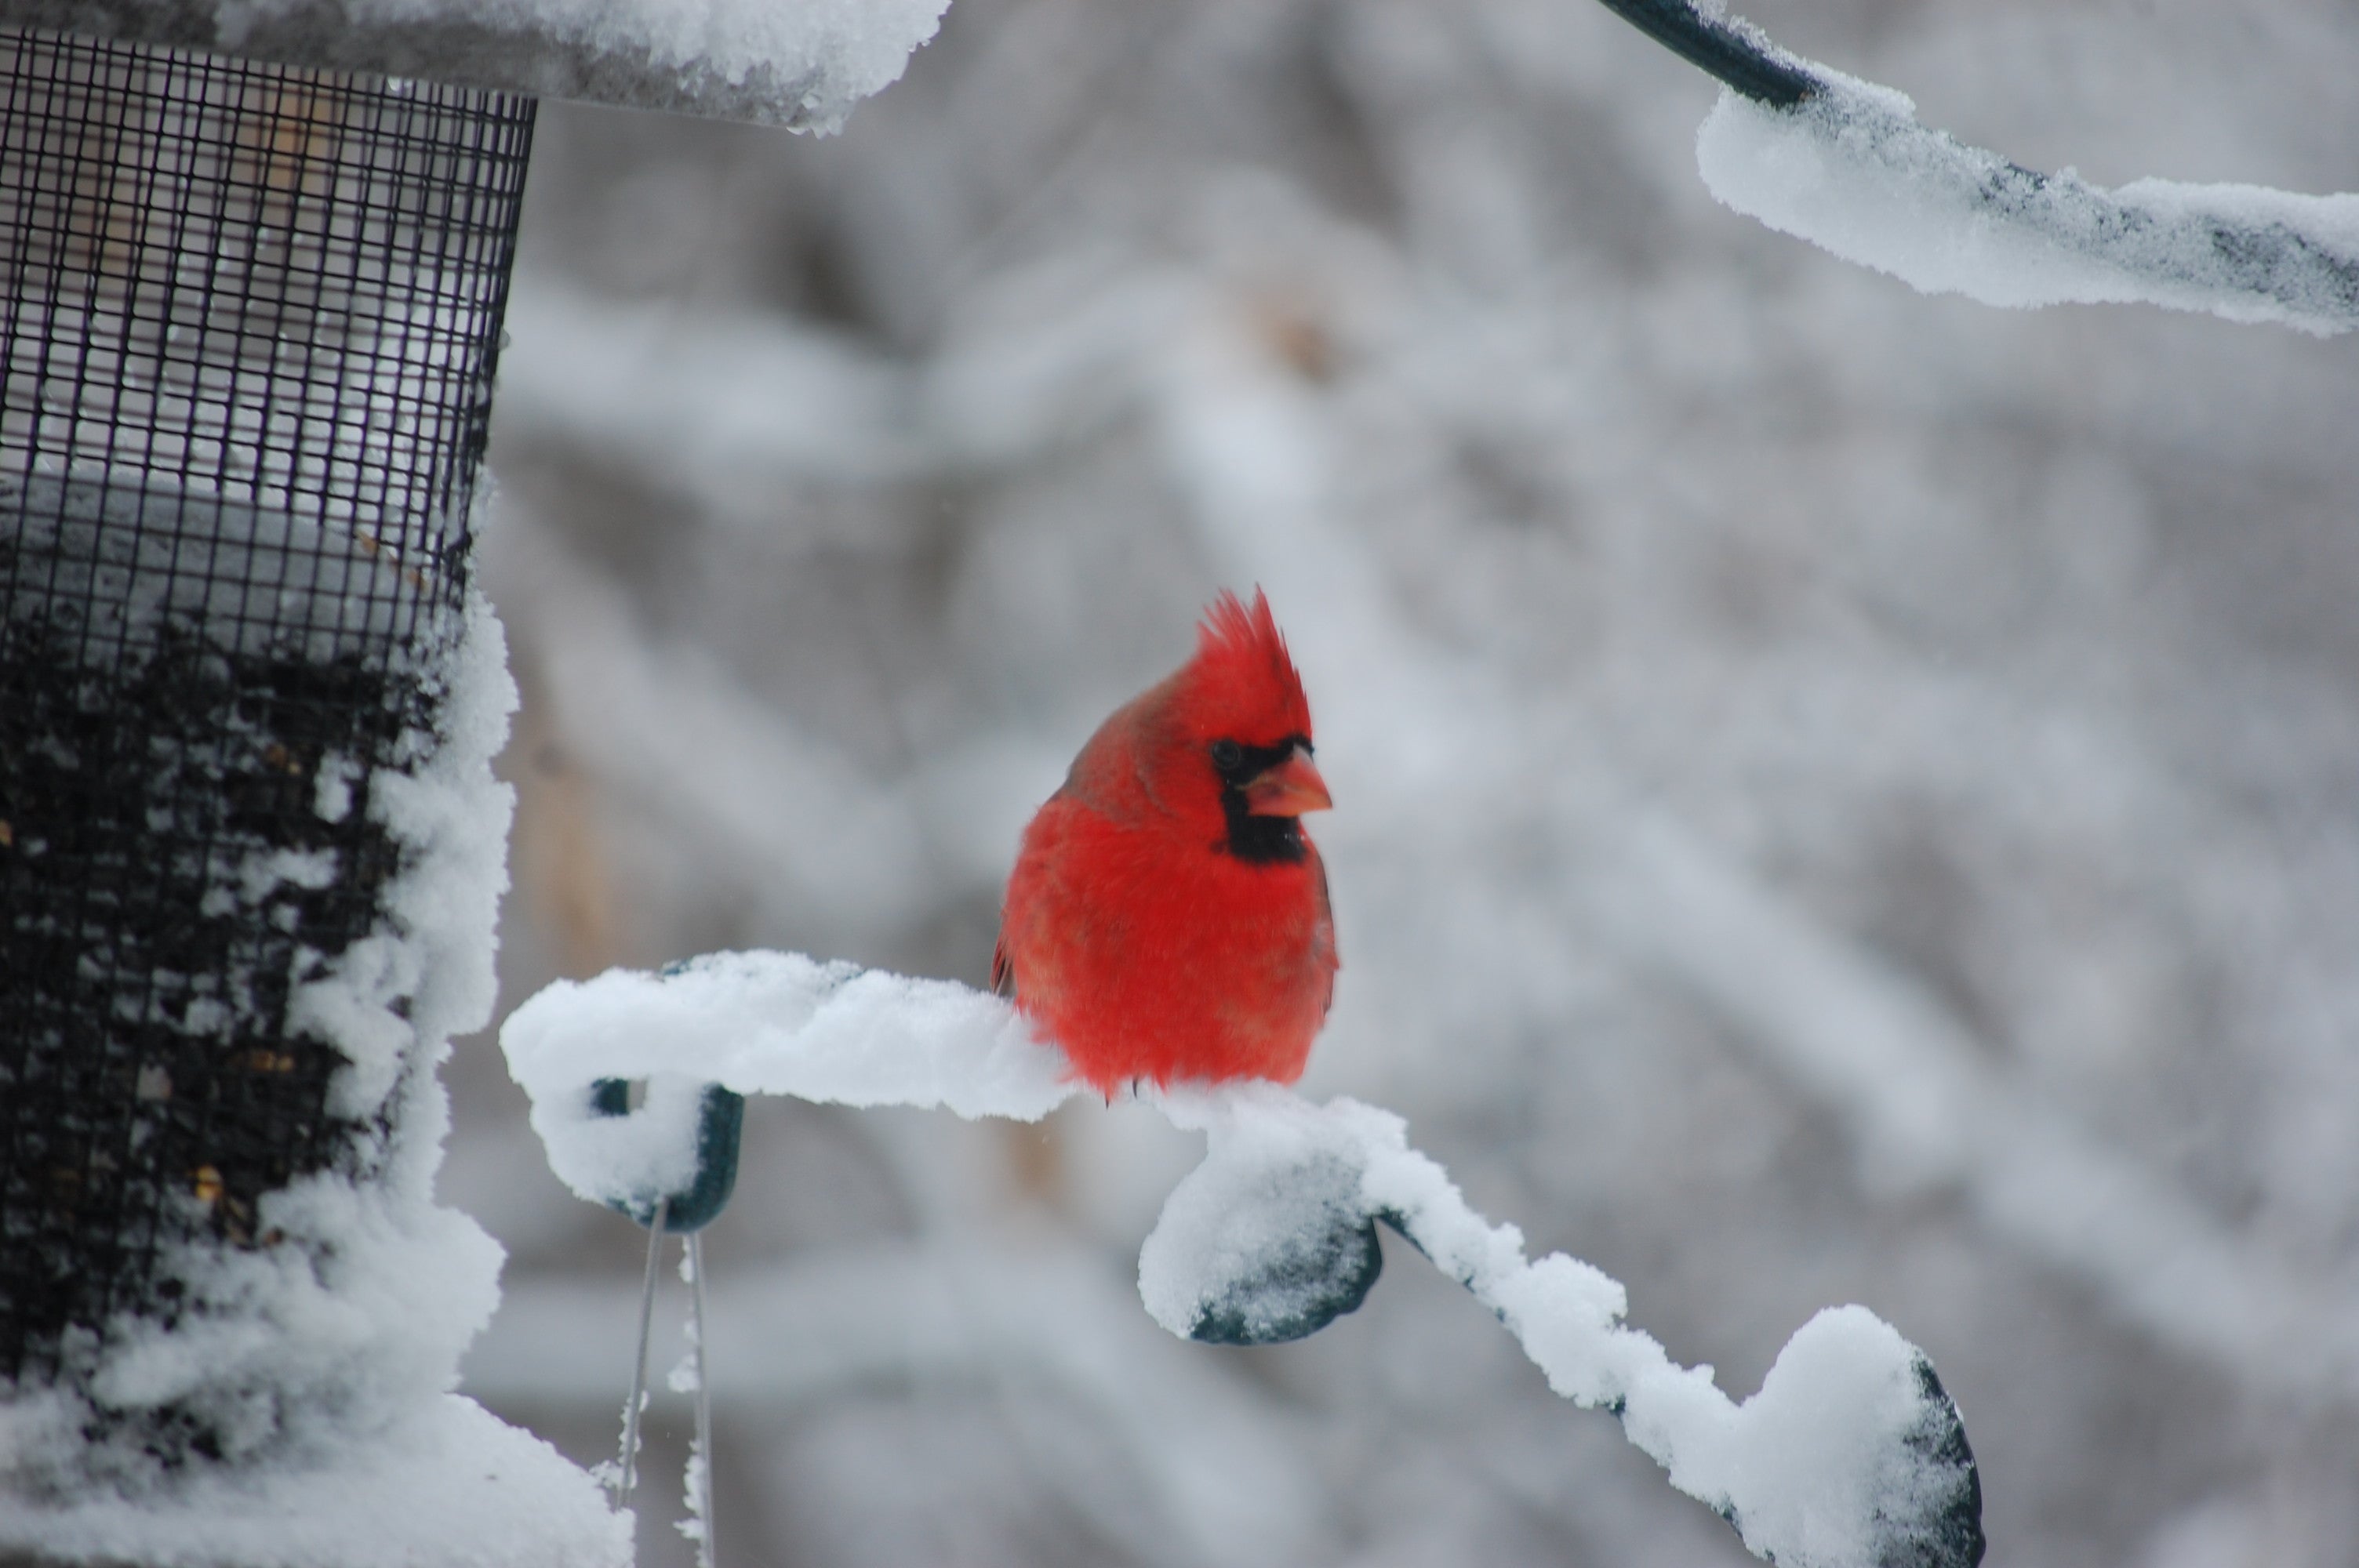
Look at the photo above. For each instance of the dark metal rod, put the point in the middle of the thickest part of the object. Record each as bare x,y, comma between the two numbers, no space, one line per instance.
1734,56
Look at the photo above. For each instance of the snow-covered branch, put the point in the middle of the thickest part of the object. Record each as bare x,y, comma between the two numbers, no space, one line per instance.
1851,171
1850,1455
1844,164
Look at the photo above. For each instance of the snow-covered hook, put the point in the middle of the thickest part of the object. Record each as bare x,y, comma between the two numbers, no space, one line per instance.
649,1188
712,1159
1268,1241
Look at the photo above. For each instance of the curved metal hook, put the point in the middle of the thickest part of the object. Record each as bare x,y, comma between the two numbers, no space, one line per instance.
720,1125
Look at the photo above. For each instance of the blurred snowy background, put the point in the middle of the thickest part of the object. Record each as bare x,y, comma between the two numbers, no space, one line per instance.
1842,795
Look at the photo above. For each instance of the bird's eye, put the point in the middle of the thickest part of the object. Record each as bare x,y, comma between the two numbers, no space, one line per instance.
1227,754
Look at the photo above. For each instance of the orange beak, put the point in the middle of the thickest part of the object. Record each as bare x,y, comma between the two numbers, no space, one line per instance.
1288,789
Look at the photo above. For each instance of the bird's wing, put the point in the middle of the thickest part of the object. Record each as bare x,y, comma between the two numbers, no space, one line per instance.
1002,970
1326,918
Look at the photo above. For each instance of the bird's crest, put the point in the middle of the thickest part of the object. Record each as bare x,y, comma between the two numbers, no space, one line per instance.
1240,654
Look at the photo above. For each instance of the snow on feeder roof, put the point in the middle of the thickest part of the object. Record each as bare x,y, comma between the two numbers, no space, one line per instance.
799,63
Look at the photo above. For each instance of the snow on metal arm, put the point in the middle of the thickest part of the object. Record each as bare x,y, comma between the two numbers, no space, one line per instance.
1846,164
1851,1455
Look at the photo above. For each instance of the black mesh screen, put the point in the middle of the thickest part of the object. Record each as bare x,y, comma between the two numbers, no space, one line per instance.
248,318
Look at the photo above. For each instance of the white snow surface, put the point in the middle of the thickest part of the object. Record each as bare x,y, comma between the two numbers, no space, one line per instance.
815,58
1811,1469
447,1484
1853,172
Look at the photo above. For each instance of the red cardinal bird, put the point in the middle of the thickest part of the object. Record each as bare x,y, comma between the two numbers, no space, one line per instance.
1168,917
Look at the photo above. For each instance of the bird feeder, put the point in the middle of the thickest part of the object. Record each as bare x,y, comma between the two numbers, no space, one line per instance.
252,319
253,266
248,343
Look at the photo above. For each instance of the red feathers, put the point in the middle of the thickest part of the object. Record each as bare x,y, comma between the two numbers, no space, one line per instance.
1242,675
1167,917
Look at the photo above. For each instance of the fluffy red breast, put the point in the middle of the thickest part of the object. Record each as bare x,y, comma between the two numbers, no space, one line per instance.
1167,917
